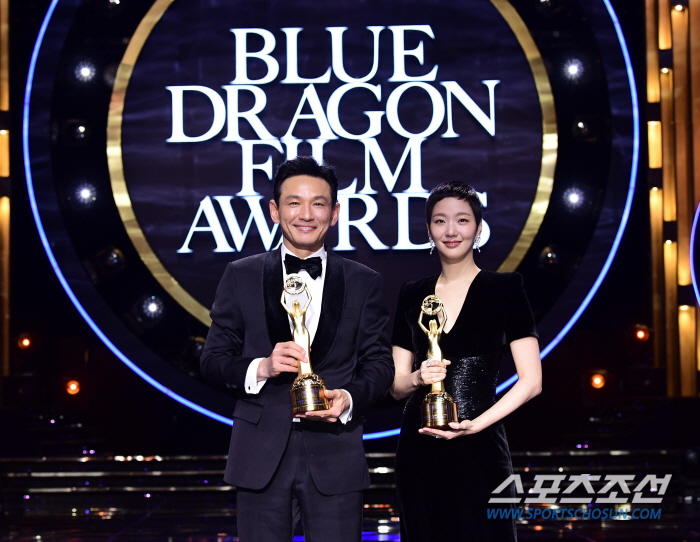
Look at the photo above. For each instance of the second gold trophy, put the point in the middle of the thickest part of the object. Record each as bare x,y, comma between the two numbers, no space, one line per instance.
438,408
308,390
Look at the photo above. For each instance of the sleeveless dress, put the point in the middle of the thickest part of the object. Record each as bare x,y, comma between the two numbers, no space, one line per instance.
444,486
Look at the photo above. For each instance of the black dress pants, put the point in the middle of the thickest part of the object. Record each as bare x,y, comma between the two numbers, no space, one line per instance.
272,513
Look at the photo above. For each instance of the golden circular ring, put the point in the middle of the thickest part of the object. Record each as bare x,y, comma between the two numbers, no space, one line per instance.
431,305
294,284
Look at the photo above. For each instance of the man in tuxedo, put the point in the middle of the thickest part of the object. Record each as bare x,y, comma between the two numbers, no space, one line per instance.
311,466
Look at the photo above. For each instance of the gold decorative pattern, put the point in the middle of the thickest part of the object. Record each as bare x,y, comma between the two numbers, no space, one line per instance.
431,305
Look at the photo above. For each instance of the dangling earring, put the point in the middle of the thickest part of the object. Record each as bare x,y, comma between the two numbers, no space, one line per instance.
476,243
432,245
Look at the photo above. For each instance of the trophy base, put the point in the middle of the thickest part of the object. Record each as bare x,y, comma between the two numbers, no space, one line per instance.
308,394
438,410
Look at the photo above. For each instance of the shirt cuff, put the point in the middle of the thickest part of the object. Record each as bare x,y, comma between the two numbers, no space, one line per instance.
346,416
252,385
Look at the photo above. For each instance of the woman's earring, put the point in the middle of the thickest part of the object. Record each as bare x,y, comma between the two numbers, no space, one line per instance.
476,243
432,245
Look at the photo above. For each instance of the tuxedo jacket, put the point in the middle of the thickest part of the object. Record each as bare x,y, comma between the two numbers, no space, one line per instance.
350,351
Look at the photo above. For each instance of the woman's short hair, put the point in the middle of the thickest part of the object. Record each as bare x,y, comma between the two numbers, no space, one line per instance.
304,165
454,189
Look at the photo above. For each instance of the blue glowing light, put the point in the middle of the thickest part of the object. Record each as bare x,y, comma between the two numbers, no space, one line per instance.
381,434
693,232
369,436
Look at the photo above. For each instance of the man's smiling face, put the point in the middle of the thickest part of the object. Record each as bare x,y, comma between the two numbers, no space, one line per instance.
305,212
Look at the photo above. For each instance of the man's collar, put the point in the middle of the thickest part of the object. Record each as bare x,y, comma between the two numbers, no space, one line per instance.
321,253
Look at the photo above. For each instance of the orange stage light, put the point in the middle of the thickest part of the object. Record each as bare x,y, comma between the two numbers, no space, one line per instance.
73,387
597,381
641,332
24,341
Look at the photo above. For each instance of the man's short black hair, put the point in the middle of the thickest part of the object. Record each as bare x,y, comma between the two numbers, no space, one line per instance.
305,165
454,189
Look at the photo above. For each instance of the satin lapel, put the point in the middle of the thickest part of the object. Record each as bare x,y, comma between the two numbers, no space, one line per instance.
275,316
331,309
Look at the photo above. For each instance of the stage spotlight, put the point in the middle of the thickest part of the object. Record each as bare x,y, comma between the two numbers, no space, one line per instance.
115,258
75,132
599,390
152,307
24,341
573,69
573,198
641,332
549,259
588,128
106,263
86,194
581,128
678,7
84,72
597,381
148,311
110,7
73,387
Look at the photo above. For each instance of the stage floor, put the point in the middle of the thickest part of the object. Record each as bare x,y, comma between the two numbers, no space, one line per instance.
182,498
154,526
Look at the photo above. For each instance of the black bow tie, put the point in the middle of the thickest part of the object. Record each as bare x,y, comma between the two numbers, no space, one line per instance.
312,266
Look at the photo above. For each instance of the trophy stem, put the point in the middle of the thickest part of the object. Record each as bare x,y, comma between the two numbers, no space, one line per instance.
438,387
305,367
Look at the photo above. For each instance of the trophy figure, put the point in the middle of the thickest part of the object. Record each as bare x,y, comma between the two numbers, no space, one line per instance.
308,390
438,408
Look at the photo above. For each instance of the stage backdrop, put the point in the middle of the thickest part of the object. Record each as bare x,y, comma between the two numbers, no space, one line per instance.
152,133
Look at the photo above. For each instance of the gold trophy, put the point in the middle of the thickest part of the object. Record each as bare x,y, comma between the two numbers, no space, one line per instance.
308,390
438,408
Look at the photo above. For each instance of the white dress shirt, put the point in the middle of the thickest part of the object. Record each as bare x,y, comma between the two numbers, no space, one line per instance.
313,313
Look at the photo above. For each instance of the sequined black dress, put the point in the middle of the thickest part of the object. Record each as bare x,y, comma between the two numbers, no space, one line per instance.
444,486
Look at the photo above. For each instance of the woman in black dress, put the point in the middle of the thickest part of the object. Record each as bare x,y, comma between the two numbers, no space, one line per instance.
444,479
